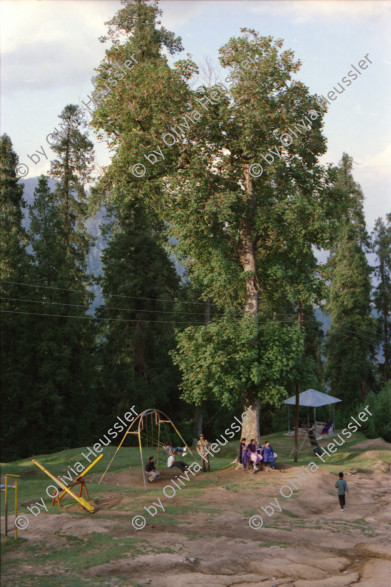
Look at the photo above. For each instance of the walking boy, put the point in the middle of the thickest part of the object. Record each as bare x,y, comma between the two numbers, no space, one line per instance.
342,489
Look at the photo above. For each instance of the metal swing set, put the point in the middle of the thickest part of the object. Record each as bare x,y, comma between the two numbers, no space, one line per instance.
144,427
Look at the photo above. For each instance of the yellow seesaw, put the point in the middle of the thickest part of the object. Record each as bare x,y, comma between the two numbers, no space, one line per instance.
83,502
79,480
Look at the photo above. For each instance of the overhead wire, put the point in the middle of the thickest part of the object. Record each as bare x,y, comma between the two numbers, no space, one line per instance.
95,318
111,295
104,307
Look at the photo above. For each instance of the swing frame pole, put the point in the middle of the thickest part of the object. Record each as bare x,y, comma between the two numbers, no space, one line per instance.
140,426
117,449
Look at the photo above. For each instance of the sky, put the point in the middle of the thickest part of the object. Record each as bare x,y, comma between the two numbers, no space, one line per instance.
49,49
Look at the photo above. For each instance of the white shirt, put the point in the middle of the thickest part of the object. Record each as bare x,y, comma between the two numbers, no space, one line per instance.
171,461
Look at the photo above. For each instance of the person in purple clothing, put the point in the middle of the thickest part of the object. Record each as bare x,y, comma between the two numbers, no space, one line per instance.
252,454
268,454
243,454
326,429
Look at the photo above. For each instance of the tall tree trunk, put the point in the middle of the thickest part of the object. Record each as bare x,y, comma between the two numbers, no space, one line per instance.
198,416
297,399
198,421
250,429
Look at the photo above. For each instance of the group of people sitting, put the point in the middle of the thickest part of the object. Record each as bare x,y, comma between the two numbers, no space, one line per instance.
252,454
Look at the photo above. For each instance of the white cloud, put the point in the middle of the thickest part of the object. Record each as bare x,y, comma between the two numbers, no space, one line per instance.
359,111
380,162
308,11
56,44
178,13
47,44
373,173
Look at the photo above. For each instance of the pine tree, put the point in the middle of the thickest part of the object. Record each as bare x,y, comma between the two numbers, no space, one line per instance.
73,169
382,291
350,340
15,321
59,409
139,285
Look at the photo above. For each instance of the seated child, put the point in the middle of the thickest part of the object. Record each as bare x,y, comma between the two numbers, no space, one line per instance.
327,428
172,462
150,468
268,454
252,454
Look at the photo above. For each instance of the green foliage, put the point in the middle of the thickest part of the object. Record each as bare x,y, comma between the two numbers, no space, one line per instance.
229,356
15,322
139,284
368,427
382,292
241,238
49,364
350,340
379,405
61,363
382,414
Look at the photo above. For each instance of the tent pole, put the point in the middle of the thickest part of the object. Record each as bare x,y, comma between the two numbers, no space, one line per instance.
315,422
289,424
334,423
308,418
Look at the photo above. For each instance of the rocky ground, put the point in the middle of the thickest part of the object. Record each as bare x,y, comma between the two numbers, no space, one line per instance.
204,538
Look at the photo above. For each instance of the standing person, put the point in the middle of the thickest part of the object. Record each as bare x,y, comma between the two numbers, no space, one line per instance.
253,455
342,487
202,449
151,469
243,454
268,454
241,449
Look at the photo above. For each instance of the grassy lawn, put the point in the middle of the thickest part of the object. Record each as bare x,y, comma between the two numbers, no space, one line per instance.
33,482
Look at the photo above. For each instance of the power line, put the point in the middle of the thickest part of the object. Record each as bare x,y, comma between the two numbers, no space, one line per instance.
93,318
104,307
372,339
111,295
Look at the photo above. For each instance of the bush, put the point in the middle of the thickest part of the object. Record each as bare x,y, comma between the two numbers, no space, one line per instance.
368,427
382,414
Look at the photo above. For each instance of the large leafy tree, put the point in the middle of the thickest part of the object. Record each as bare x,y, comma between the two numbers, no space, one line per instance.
382,291
242,237
350,341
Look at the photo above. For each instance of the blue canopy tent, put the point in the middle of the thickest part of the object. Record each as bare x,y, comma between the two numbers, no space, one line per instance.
311,398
